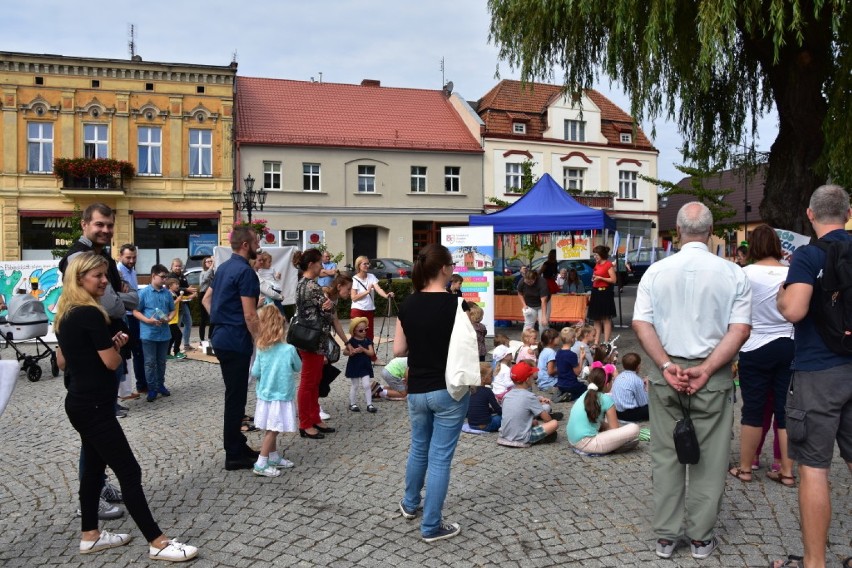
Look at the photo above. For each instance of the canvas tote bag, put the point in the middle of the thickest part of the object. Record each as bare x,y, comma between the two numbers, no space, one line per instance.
463,356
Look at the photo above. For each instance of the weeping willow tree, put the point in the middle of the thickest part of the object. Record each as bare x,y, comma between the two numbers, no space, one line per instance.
713,67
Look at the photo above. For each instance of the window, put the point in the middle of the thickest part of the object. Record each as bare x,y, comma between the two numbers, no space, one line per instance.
575,130
626,138
39,147
418,179
311,177
626,184
95,141
200,152
366,179
149,86
150,150
513,177
271,175
452,179
199,89
39,80
519,128
572,178
96,83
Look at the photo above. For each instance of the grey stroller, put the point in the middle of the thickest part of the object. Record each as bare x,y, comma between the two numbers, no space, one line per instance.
27,319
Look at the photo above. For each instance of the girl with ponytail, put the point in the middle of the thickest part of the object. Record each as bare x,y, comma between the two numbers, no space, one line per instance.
593,427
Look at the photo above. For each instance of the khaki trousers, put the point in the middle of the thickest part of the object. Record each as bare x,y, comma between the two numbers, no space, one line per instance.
687,499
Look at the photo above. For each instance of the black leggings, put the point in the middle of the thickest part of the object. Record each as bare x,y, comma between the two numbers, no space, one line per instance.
174,342
205,321
104,444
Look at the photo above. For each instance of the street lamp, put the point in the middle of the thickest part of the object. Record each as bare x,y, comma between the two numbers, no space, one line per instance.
249,199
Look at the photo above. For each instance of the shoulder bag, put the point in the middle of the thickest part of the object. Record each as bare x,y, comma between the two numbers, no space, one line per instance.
462,357
685,439
303,334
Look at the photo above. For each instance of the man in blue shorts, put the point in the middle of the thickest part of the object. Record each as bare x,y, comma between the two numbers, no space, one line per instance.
819,404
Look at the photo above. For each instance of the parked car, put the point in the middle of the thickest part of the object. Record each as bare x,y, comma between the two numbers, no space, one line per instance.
640,260
193,276
584,268
508,267
390,268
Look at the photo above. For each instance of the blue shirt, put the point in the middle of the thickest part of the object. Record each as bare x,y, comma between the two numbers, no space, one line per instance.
545,381
275,368
566,360
129,276
151,299
628,391
326,280
234,280
811,353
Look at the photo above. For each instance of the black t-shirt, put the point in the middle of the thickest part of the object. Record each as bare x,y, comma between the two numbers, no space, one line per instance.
427,319
83,333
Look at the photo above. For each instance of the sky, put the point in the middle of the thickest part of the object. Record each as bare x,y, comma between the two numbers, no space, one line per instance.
401,43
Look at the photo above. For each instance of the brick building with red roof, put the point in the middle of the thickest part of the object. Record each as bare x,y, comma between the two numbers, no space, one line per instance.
379,169
592,147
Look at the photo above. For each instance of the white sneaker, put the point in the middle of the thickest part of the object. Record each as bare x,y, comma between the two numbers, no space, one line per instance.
282,463
268,471
105,540
324,415
173,552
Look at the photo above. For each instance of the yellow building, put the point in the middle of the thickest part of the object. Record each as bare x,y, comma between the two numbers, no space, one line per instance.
171,121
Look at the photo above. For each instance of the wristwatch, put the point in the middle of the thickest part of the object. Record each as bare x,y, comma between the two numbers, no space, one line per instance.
665,366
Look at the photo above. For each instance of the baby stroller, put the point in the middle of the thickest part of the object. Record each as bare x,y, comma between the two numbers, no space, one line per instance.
27,319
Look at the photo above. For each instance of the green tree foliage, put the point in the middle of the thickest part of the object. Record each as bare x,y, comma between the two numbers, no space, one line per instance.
729,61
65,239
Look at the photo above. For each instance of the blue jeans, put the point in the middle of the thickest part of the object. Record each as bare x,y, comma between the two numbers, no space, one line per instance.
436,422
154,353
185,322
138,357
496,421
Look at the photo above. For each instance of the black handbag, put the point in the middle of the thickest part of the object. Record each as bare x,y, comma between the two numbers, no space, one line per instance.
685,439
306,336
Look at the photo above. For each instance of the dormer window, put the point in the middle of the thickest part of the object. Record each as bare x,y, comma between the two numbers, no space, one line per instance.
626,138
519,128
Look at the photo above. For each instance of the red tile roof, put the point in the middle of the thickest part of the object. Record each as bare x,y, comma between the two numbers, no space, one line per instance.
508,99
302,113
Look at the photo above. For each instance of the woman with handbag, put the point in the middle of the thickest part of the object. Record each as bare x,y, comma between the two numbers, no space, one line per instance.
423,330
310,332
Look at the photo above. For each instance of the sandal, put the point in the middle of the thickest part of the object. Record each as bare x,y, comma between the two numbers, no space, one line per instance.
248,428
248,418
778,477
738,473
791,562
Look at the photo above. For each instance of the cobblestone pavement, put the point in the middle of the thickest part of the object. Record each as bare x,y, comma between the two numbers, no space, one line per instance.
543,506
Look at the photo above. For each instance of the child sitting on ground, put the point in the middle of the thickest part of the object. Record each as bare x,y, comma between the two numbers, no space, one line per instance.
359,367
484,412
275,366
475,313
593,427
395,374
502,383
629,391
568,367
586,336
520,407
529,350
547,374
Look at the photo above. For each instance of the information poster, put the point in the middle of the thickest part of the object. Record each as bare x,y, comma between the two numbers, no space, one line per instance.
572,247
39,278
473,259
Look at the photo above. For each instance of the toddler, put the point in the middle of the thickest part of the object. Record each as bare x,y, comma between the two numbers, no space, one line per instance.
547,373
593,426
520,408
502,356
475,314
499,339
484,412
629,391
395,374
529,349
359,367
568,367
276,365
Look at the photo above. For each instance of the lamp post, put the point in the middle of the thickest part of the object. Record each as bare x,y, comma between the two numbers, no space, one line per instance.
250,200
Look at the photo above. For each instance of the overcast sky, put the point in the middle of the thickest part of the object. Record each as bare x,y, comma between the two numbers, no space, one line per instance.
397,42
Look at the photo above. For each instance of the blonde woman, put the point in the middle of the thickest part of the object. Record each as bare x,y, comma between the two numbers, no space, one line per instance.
364,285
89,354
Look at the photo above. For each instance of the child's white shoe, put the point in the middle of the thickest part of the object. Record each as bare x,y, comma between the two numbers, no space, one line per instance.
282,462
268,471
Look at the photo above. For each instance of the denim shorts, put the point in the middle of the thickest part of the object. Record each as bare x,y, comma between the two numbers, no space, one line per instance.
818,413
536,434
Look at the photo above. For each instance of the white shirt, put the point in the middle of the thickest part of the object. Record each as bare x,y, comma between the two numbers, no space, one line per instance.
502,381
767,323
690,298
359,286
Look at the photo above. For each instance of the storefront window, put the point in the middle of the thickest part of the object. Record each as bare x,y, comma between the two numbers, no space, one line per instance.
162,240
40,235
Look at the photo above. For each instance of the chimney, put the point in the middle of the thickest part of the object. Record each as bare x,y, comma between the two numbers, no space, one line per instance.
371,83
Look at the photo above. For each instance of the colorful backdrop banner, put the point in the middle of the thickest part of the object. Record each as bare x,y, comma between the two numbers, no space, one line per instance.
473,259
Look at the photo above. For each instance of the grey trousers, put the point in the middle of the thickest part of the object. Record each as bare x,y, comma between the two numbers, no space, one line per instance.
682,506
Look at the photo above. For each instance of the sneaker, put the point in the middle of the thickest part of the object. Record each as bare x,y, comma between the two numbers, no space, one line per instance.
703,548
446,530
121,414
375,388
371,408
105,540
282,463
171,357
111,493
324,415
557,415
173,552
106,511
406,512
268,471
665,547
164,391
354,408
151,396
180,356
121,407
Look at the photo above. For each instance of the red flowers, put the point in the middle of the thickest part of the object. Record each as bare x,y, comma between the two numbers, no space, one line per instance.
92,167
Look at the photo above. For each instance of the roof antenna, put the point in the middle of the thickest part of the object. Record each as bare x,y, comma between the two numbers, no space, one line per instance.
234,56
131,44
443,80
320,76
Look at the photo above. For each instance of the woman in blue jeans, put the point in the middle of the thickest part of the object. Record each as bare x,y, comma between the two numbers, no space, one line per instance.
423,331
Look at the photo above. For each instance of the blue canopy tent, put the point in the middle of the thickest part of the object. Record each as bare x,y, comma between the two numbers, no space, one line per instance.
545,208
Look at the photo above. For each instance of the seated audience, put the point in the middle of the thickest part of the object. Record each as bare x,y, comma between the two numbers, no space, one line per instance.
630,392
593,426
520,408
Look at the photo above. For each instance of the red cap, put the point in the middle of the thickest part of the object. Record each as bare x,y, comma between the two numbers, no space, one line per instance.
522,371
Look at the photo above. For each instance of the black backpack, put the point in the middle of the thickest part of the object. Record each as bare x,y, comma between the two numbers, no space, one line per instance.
833,316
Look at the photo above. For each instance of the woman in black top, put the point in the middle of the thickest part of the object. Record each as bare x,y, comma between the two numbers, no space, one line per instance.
423,331
90,354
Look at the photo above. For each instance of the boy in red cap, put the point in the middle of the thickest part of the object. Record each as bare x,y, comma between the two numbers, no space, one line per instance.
521,407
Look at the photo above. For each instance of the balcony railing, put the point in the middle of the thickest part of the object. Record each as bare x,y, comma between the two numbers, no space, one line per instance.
92,182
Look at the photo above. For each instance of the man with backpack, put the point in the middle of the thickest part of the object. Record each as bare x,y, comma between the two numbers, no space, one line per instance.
818,404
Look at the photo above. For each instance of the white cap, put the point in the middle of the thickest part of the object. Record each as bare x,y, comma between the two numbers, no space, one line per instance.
500,352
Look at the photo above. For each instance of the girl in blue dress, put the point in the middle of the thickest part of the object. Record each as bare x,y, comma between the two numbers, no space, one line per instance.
359,368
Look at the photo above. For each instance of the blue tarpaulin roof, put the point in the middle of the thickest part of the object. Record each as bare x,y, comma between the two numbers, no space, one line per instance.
545,208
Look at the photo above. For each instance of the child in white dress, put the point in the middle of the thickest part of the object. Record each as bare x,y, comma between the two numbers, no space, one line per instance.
276,365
